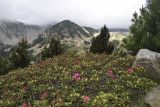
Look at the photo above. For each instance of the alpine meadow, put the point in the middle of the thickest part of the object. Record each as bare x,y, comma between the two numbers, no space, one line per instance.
83,53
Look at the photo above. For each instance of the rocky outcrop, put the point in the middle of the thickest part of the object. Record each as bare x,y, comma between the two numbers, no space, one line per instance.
150,61
153,97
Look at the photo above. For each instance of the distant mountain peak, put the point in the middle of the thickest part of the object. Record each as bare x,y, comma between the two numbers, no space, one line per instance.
66,24
68,32
66,29
66,21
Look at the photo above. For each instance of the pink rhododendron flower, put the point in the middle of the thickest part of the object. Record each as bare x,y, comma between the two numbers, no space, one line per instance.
44,95
76,76
24,87
24,105
130,70
110,74
29,105
77,62
86,99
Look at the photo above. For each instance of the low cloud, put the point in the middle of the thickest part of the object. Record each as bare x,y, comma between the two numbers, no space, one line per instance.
95,13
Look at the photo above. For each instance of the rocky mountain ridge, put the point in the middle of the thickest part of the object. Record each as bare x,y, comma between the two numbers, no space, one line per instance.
67,31
12,32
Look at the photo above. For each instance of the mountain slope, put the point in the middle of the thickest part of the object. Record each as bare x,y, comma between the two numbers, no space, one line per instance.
12,32
65,29
64,80
90,30
68,32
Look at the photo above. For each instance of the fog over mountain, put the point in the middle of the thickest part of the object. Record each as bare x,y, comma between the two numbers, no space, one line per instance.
94,13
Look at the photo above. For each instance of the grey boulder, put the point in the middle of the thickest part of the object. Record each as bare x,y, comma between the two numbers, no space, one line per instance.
151,62
152,98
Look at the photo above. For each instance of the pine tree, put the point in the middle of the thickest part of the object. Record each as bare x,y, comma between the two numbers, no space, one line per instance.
154,10
145,29
100,44
20,56
55,48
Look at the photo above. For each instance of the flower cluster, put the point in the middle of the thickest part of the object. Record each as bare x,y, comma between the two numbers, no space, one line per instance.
110,74
44,95
76,76
86,99
130,70
26,105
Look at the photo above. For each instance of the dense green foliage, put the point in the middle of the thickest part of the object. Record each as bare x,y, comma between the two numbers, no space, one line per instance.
4,66
100,44
55,48
20,56
76,81
145,28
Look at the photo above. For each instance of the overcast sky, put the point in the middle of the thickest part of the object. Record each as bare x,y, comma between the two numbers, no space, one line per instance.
94,13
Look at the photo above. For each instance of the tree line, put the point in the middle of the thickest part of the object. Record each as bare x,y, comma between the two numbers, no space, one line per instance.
21,57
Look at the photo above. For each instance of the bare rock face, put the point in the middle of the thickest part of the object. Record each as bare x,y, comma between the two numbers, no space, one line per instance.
153,97
12,31
151,62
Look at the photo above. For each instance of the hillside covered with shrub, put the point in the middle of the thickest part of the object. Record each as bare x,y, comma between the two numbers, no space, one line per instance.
91,80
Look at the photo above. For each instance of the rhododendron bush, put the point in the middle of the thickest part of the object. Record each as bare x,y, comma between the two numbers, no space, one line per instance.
76,81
